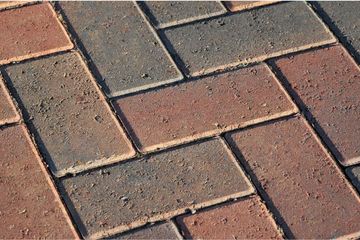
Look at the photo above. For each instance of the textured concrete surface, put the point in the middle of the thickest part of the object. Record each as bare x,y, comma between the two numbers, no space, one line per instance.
250,36
354,174
157,187
308,194
8,112
126,59
327,83
235,6
203,107
29,208
169,13
71,122
17,42
244,219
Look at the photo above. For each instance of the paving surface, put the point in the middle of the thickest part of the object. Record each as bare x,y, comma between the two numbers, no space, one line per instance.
179,120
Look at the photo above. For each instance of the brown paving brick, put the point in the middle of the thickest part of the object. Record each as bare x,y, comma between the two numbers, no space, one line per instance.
243,5
8,113
160,186
72,122
245,219
327,81
29,206
299,180
29,32
204,107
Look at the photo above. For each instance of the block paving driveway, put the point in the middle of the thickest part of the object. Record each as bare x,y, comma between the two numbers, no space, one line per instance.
179,120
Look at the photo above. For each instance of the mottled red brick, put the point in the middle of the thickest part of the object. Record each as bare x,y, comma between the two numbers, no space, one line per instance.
8,113
29,206
203,107
326,83
245,219
299,180
29,32
243,5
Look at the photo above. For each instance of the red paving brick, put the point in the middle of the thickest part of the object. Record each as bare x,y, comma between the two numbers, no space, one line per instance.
203,107
29,32
8,112
299,179
29,206
327,81
245,219
243,5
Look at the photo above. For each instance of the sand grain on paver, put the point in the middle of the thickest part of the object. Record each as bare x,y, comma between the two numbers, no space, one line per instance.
8,112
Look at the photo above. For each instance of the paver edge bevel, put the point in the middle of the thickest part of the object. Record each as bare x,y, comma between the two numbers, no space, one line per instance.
69,45
21,3
12,103
176,229
256,4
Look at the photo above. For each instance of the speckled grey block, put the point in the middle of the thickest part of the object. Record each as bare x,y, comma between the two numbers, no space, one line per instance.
127,55
354,174
253,35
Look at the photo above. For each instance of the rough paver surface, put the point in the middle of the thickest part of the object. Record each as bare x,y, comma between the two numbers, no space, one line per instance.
179,120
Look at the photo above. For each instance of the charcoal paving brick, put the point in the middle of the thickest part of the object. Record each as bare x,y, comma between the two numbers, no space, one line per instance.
327,81
29,206
158,231
343,18
156,187
299,179
8,113
243,5
204,107
210,45
69,117
245,219
124,50
18,42
164,14
354,174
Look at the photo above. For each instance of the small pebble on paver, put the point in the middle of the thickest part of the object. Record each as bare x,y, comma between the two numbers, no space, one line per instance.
354,175
8,112
343,18
244,219
158,231
235,6
169,13
70,119
156,187
249,36
296,176
203,107
124,50
29,32
29,208
327,81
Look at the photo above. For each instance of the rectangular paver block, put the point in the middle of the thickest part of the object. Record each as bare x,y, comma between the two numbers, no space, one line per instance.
154,188
327,84
164,14
71,120
244,219
8,112
299,180
29,206
250,36
30,32
124,50
204,107
243,5
354,175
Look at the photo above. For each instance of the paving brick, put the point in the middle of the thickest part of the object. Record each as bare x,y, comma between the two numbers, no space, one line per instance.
124,50
6,4
327,82
204,107
72,122
245,219
298,180
155,188
159,231
343,19
250,36
8,113
165,14
354,174
30,32
29,206
243,5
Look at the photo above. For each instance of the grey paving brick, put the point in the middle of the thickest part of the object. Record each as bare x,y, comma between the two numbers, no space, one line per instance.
343,17
254,35
168,13
72,123
354,174
126,54
157,187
